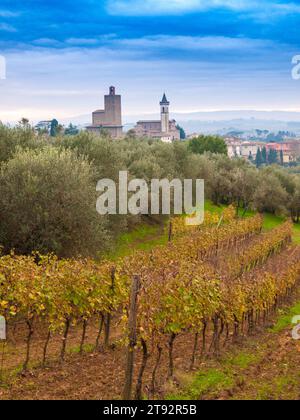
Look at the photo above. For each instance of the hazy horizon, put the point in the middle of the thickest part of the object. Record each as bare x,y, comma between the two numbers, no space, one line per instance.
197,115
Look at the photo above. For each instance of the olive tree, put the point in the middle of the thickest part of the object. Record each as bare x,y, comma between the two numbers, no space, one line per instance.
48,204
270,196
294,203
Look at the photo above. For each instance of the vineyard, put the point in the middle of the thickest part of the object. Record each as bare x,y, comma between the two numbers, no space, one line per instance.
204,290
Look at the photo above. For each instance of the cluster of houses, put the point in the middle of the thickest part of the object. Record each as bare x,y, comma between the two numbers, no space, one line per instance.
288,151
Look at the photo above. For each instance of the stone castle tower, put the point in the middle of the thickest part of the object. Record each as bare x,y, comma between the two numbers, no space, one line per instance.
109,118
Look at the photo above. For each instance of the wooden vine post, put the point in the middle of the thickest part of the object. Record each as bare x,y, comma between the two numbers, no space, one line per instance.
127,391
3,341
2,361
108,318
170,232
218,227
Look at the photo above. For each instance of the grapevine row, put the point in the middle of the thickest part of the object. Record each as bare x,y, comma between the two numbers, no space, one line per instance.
180,292
179,226
258,251
193,300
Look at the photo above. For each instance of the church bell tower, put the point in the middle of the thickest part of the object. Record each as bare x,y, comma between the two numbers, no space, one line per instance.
164,112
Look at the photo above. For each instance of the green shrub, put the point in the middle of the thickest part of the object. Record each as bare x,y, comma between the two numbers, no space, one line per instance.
48,204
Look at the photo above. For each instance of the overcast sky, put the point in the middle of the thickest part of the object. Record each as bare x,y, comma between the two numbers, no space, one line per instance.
206,54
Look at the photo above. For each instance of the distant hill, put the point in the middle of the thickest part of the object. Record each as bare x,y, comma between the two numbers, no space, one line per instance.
239,125
219,122
209,116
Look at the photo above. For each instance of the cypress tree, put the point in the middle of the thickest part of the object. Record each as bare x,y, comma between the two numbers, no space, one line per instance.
258,160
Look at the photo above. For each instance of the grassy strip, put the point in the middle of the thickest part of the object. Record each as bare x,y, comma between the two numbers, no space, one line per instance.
144,237
194,388
212,381
285,320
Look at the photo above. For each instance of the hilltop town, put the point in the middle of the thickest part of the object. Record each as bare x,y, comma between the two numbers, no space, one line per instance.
258,146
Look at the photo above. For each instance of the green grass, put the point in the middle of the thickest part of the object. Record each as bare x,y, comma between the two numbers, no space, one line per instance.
144,237
281,388
242,360
285,320
283,383
209,206
271,221
87,348
296,236
211,380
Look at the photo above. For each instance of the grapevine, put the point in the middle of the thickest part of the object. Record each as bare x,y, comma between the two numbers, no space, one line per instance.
182,290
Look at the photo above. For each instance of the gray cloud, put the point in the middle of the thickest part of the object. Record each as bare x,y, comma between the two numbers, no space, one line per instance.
175,7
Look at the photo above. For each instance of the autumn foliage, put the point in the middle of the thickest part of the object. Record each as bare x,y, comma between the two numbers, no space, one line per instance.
212,278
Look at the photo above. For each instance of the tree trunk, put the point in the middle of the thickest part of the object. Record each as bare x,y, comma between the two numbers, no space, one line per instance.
221,330
159,352
170,233
84,327
171,362
227,334
236,328
64,344
99,332
250,322
108,317
139,386
46,348
215,345
28,343
194,351
203,349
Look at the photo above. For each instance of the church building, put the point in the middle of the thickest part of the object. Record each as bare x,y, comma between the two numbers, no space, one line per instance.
163,129
108,119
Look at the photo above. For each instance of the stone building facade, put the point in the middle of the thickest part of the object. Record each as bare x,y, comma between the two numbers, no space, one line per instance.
109,119
163,129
